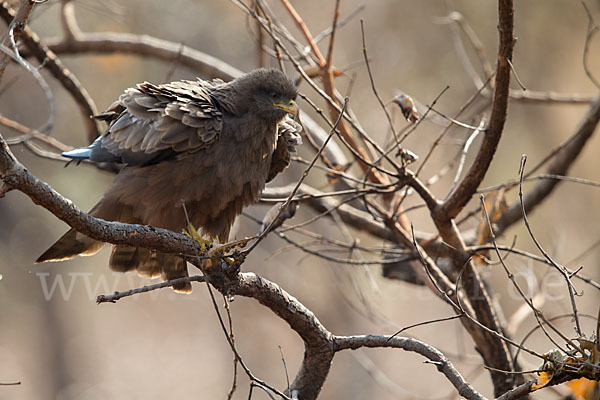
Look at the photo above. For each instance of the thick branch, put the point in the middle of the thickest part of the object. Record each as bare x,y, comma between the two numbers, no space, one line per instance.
493,350
318,345
465,190
15,176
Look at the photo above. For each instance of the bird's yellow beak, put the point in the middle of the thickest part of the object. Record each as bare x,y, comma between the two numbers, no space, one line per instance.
290,108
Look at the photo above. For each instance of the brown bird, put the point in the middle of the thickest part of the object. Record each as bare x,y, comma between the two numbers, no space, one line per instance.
210,145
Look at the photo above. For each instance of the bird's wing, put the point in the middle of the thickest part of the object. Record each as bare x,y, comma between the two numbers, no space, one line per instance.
152,122
288,138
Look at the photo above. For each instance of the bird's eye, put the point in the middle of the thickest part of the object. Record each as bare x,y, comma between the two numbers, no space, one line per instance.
274,95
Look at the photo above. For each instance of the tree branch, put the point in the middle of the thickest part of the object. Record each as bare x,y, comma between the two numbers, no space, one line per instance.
69,81
409,344
465,190
559,166
145,45
16,25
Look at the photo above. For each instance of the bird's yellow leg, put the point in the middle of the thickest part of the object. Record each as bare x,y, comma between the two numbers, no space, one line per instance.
192,233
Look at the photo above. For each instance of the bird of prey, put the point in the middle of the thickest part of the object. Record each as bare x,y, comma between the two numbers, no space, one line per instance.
209,145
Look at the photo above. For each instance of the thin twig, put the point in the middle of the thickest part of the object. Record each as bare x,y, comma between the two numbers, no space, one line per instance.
534,257
304,29
373,88
29,134
537,313
287,378
459,20
336,15
68,21
463,156
15,27
559,268
341,23
235,360
593,28
113,298
433,321
515,183
459,308
512,68
564,156
14,54
531,96
249,373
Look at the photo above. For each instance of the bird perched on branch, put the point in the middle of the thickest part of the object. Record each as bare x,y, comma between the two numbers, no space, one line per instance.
209,145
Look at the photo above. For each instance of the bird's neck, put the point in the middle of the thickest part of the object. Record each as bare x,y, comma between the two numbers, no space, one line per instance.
225,96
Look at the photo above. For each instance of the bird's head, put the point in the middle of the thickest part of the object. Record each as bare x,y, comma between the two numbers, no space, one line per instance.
268,94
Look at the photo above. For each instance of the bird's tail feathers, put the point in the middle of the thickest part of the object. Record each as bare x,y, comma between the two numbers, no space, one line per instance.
81,153
71,244
150,264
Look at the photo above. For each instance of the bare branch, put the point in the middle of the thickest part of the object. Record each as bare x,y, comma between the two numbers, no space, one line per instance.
336,15
357,218
67,19
559,166
69,81
16,25
470,183
559,268
593,28
409,344
147,46
29,134
113,298
531,96
457,20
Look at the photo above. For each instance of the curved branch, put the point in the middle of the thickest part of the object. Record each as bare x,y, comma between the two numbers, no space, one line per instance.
559,166
16,23
318,352
69,81
409,344
145,45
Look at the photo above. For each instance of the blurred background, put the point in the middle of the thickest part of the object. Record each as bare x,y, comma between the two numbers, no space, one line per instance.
59,344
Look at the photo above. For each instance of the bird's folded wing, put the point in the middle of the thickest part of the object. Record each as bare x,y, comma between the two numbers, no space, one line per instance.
151,119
